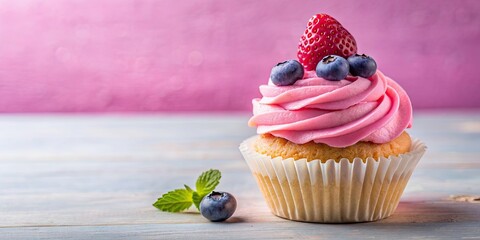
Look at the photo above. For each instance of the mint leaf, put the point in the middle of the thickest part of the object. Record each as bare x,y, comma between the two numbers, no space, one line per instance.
175,201
196,198
207,181
188,188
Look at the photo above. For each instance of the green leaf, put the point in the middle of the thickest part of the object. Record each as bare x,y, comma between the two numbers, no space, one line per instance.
196,198
188,188
174,201
207,182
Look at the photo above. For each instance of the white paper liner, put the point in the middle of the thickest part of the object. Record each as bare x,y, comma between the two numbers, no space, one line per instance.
332,192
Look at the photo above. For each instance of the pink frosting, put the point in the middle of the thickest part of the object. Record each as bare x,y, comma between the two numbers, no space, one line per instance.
337,113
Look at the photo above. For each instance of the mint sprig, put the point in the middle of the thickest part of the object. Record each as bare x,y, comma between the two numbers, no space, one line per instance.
181,199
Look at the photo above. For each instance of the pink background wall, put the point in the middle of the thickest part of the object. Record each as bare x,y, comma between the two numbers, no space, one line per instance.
128,55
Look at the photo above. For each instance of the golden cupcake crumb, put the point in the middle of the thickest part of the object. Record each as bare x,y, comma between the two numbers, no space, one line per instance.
279,147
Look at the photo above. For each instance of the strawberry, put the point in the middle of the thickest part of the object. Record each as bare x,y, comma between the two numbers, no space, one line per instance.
324,36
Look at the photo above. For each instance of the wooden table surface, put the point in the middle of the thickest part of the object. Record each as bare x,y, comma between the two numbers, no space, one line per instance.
96,177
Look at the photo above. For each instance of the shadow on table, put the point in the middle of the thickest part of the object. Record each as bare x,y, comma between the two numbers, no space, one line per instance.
235,220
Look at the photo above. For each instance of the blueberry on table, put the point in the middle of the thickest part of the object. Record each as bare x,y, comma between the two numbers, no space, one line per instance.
286,73
333,68
218,206
362,65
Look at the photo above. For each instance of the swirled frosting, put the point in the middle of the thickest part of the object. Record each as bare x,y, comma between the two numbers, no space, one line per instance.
336,113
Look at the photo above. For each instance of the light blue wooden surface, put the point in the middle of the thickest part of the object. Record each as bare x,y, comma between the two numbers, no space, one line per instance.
78,177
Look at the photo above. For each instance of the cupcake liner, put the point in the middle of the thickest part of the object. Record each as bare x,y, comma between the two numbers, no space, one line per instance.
332,192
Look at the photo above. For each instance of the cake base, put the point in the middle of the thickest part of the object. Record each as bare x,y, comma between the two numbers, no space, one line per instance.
279,147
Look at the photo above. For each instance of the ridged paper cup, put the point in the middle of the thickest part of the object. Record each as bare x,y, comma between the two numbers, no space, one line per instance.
360,190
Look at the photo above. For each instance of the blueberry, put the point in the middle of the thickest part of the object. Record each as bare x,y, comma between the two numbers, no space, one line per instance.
333,68
218,206
362,65
286,73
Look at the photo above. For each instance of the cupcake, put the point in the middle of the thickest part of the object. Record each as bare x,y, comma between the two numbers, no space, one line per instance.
331,144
